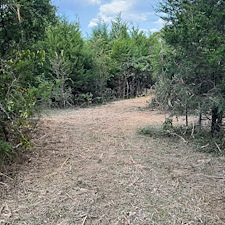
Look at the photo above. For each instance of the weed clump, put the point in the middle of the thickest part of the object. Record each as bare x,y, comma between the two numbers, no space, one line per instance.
200,138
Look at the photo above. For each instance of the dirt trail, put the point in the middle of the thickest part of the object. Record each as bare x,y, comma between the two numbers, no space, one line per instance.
92,167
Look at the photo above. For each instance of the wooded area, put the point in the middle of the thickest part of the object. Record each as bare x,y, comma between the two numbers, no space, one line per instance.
46,62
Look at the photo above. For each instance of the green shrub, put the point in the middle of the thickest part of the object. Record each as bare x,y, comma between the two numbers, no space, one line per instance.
6,150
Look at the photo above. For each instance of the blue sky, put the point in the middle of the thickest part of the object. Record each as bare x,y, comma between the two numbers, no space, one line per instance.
138,12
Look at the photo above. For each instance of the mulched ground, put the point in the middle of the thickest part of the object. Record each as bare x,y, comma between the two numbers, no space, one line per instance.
91,167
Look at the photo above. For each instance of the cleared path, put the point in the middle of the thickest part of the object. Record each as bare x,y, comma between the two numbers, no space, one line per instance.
92,167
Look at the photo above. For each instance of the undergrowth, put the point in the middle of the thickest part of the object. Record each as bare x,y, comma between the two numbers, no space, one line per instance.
6,150
200,139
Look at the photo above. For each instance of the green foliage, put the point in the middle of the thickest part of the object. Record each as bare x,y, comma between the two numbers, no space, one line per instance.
61,93
191,52
159,131
21,97
168,124
111,63
23,22
25,89
155,132
6,150
69,60
84,99
119,29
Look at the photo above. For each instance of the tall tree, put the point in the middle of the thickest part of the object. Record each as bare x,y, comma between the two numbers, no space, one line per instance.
100,47
196,30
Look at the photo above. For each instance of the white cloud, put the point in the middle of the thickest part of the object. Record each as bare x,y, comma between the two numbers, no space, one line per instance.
115,7
107,12
73,3
95,2
94,22
160,22
153,30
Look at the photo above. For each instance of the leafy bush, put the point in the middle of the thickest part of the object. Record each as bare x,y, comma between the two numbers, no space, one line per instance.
84,99
22,95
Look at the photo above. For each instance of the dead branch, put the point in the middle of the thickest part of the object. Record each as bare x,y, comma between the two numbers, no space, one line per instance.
84,221
204,146
2,174
4,184
58,168
4,111
212,177
64,163
193,130
101,156
136,164
218,147
132,183
6,207
177,135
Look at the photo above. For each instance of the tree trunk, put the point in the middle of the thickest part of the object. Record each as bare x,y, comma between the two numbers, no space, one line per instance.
200,120
4,130
200,117
217,119
128,89
186,116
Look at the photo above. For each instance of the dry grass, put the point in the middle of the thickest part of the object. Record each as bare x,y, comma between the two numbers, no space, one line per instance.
92,167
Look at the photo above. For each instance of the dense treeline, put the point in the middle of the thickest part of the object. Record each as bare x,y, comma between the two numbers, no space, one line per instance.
190,62
45,61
